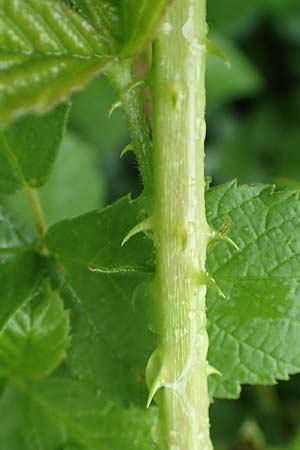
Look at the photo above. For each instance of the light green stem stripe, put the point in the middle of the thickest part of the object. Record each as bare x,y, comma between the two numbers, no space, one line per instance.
181,232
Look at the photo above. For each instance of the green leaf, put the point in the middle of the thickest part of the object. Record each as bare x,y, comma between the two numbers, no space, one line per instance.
76,184
33,342
100,279
104,16
61,413
20,266
140,19
104,231
28,149
74,413
11,423
129,24
46,52
61,197
253,333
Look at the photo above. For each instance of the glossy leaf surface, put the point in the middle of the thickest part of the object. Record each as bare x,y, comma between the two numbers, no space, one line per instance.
20,267
34,340
46,52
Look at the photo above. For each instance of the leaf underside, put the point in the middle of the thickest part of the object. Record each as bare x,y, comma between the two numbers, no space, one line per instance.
100,279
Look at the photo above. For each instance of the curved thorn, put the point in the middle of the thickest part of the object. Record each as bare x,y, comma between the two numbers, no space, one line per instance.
215,236
230,241
135,84
116,104
127,148
156,386
208,181
154,375
212,371
213,49
144,226
206,280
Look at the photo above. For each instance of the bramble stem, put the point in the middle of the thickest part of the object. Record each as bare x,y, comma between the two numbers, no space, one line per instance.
35,202
178,368
130,95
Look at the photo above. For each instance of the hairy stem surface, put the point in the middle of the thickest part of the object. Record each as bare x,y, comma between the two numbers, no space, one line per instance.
178,368
131,100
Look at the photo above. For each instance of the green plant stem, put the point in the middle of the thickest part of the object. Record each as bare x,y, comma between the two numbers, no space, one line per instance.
31,193
35,202
130,95
181,233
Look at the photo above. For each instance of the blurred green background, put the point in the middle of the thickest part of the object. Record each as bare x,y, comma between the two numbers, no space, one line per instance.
253,118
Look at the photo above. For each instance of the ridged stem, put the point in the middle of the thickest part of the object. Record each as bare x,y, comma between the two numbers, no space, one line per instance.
177,372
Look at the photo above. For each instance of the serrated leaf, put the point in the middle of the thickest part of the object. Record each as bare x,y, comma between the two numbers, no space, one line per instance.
46,52
100,278
104,232
28,149
253,334
20,266
33,342
61,411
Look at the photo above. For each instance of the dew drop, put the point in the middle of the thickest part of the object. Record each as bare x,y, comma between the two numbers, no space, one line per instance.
191,315
167,27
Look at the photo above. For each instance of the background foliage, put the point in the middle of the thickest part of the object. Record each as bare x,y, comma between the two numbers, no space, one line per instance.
253,135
